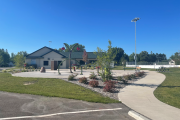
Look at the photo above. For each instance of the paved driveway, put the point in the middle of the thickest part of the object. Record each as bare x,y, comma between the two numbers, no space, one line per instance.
16,105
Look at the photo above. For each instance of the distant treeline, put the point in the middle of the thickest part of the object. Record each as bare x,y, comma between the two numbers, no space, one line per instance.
5,57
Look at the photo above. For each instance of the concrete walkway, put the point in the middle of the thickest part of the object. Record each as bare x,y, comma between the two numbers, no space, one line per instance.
139,97
66,72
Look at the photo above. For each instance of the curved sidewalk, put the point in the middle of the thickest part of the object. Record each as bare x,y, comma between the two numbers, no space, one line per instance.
139,97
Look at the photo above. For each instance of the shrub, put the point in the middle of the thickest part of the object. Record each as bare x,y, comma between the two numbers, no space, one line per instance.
119,78
87,67
4,71
93,76
109,77
125,81
71,77
127,77
139,74
133,76
83,80
92,67
31,66
109,86
93,83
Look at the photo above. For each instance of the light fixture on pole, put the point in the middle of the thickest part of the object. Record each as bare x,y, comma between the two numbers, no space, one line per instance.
49,43
134,20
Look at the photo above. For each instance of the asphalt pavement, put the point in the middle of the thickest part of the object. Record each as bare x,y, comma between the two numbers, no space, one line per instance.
22,105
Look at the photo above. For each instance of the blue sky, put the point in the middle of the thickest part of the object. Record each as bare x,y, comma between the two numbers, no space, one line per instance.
28,25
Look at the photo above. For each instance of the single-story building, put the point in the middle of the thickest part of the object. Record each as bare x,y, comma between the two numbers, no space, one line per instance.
172,62
44,56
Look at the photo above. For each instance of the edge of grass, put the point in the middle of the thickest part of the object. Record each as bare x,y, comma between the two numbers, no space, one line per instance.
51,87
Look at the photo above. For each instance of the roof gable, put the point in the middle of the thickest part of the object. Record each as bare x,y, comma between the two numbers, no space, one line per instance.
39,52
43,51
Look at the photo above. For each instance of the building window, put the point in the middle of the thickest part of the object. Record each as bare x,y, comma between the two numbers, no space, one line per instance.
59,63
33,61
46,63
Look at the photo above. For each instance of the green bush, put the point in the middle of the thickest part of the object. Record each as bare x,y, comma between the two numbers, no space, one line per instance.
31,66
109,77
119,78
92,67
93,76
4,71
71,77
83,80
133,76
127,77
125,81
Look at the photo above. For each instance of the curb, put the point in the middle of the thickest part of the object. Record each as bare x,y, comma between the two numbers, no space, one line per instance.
137,116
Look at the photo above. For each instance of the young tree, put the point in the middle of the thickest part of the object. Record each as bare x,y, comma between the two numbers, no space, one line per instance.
19,59
85,56
104,59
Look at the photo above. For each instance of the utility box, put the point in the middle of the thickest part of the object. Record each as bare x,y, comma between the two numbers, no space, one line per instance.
54,65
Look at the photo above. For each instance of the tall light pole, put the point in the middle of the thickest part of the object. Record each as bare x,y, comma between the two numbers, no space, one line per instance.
134,20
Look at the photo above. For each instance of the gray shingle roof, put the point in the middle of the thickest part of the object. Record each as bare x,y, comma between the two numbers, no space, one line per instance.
74,55
78,55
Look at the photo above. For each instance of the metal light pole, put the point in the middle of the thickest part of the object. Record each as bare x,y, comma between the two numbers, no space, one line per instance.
134,20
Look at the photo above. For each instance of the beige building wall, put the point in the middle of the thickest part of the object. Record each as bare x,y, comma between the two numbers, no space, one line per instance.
52,56
37,61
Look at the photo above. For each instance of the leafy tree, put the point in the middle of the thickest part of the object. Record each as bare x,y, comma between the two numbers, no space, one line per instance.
85,56
119,52
5,58
1,60
176,58
131,57
12,57
152,57
160,57
19,59
124,59
104,59
144,56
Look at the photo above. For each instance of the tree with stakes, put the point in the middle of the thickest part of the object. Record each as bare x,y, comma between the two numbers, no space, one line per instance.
85,56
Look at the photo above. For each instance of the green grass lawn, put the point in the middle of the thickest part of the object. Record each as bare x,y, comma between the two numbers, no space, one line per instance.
169,91
50,87
119,68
